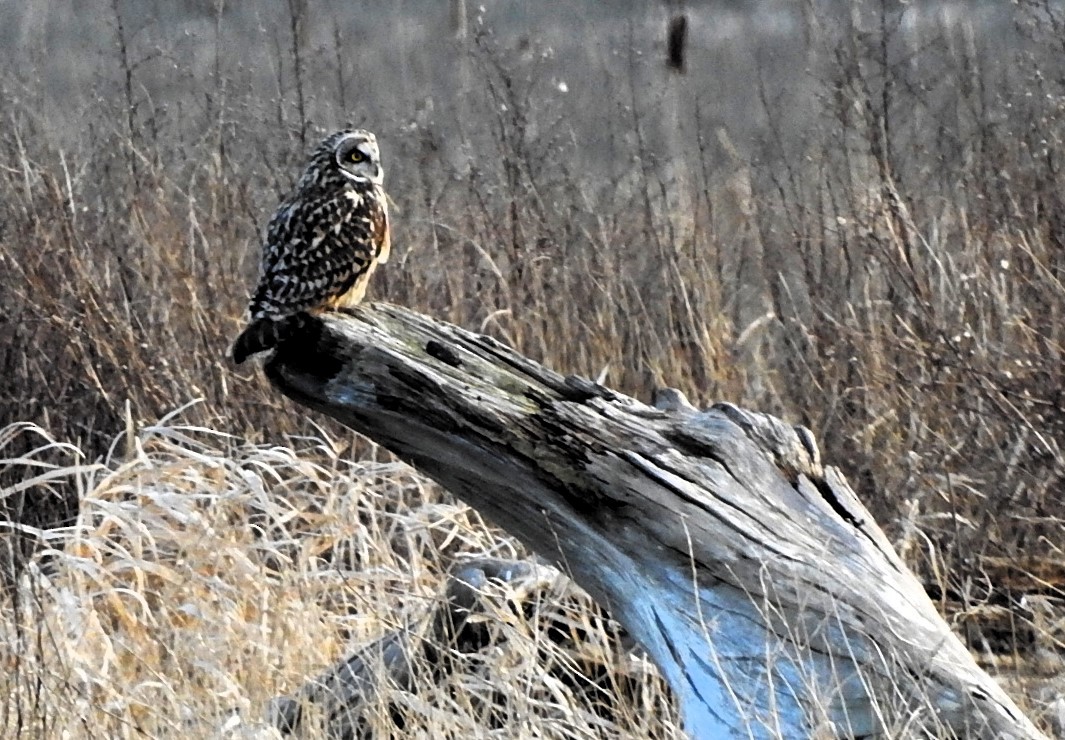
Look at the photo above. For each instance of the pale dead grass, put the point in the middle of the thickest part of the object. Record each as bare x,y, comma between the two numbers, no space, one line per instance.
205,577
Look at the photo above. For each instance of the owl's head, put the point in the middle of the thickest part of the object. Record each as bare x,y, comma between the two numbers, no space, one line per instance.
350,155
358,157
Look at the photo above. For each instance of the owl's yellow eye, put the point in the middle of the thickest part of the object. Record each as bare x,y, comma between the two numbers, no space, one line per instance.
357,156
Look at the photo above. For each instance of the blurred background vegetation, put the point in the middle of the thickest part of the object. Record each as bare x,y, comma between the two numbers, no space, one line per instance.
851,215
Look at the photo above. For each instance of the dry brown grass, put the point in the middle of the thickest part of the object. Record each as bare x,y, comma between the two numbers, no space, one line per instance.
891,274
204,577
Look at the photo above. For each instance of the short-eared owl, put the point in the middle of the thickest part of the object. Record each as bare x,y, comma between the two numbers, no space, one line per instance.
324,241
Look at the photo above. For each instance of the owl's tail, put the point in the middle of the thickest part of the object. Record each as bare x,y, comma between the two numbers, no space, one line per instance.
264,334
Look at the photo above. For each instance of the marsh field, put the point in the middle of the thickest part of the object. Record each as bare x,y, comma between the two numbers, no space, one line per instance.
850,215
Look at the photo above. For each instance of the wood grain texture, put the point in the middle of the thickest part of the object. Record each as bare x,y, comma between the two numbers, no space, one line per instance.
750,572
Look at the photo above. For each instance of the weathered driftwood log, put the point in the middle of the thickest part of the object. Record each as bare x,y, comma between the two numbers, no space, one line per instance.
347,691
751,574
355,699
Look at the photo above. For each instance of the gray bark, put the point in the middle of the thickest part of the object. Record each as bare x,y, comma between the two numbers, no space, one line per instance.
752,575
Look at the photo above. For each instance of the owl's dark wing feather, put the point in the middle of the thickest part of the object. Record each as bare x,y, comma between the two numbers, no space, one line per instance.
316,246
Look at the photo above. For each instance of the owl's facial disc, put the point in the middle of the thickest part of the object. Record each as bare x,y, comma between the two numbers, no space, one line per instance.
359,159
